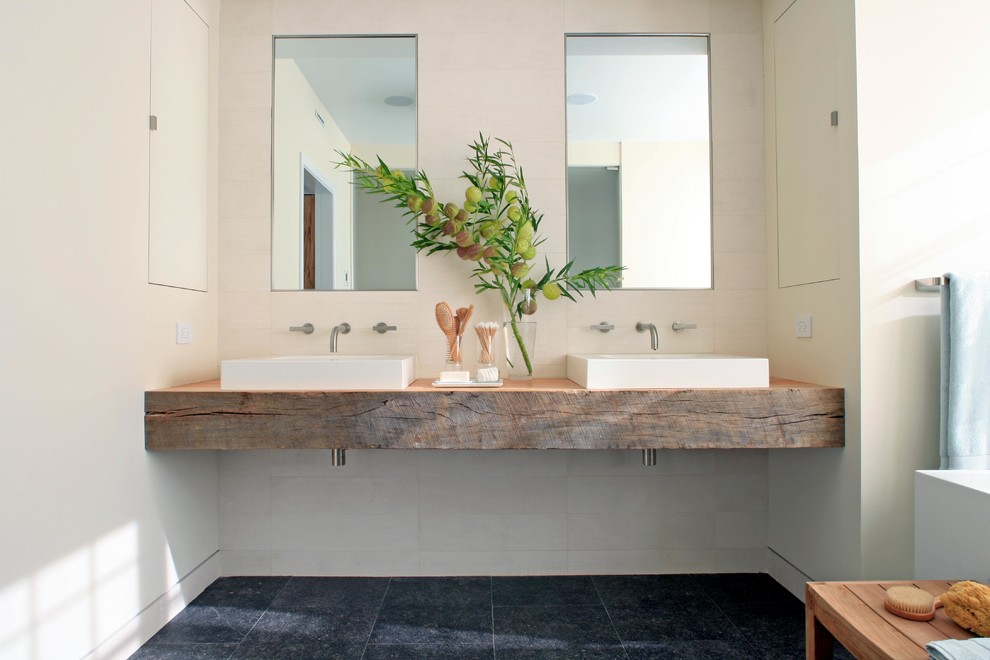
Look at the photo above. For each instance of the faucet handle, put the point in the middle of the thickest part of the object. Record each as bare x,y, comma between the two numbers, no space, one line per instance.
306,328
677,326
381,327
604,326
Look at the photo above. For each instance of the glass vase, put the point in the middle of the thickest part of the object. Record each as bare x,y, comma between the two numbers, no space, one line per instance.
520,349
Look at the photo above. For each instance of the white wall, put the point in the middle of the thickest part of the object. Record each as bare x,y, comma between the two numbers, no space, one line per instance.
94,528
924,160
916,160
815,496
595,511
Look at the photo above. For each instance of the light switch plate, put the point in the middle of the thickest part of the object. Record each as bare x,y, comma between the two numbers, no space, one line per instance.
183,333
802,325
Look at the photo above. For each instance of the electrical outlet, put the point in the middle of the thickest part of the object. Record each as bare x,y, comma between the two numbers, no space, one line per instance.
183,333
802,325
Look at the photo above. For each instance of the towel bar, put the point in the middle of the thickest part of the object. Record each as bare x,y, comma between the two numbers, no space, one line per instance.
930,283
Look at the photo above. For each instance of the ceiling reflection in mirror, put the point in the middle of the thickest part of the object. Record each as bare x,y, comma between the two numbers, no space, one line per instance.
354,95
639,158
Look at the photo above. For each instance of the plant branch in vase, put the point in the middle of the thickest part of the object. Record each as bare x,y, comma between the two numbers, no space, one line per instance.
496,226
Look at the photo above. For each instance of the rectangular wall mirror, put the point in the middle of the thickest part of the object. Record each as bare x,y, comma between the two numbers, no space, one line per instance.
349,94
639,189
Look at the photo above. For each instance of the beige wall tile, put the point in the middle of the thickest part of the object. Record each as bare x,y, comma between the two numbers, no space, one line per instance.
245,562
473,512
493,563
473,532
338,562
638,16
627,531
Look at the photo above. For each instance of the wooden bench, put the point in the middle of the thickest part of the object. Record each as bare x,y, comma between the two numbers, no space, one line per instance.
852,613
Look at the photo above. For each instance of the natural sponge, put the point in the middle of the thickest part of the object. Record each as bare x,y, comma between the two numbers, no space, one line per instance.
968,604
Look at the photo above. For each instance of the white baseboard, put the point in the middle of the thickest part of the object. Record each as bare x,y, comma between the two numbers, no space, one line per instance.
787,574
150,620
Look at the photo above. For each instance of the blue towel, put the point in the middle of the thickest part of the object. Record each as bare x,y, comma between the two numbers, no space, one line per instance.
954,649
964,440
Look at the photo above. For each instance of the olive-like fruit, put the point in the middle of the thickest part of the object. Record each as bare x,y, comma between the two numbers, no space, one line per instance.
450,210
551,291
432,219
429,205
510,196
514,213
527,231
475,252
463,238
449,228
527,307
473,194
414,202
462,216
520,270
529,253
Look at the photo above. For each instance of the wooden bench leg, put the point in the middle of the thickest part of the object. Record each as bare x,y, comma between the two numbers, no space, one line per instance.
819,642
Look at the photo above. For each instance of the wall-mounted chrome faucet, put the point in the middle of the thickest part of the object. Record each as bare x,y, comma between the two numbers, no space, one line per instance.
381,327
654,337
603,327
341,329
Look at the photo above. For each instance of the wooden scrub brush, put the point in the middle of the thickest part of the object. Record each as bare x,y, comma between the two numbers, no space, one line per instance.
448,324
911,603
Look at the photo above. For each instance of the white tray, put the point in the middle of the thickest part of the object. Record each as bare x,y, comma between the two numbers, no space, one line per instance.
470,383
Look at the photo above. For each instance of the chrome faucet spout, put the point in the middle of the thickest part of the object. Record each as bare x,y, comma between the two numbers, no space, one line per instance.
341,329
654,337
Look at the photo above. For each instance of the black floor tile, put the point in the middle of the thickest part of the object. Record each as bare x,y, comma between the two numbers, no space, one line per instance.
775,628
639,617
565,628
646,591
428,652
323,594
605,653
674,621
692,650
184,652
216,624
299,650
743,588
439,591
254,591
549,590
430,623
336,625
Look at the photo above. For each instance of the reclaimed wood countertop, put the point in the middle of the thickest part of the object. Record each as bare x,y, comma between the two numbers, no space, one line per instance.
539,414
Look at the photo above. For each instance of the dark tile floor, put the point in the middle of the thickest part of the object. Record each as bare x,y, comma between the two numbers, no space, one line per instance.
638,617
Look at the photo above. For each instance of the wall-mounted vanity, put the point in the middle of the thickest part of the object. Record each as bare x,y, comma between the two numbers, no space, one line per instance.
540,414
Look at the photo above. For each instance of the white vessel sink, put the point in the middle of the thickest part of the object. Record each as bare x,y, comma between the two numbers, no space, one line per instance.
658,370
318,372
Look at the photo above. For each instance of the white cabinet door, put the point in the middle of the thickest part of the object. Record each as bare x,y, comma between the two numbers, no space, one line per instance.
178,250
807,143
